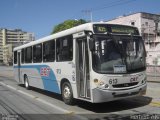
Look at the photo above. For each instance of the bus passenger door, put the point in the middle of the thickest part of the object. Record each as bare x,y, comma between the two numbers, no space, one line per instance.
83,83
19,65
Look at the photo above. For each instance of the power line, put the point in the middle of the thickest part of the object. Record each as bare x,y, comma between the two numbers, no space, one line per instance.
108,5
113,4
89,12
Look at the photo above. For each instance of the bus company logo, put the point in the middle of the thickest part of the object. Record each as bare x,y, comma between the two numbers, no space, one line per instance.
134,79
45,71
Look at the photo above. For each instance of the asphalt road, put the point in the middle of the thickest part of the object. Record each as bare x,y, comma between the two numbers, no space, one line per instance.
18,103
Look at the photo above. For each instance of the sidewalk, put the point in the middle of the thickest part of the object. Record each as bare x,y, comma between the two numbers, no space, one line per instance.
6,71
153,73
155,79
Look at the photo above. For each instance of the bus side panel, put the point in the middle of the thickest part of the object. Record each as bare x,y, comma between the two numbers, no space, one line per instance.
66,70
41,76
33,77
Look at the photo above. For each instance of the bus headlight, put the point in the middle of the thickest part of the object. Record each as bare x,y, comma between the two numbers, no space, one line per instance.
106,85
95,80
144,80
101,83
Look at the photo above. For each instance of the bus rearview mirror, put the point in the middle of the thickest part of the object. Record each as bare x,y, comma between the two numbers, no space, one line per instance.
91,44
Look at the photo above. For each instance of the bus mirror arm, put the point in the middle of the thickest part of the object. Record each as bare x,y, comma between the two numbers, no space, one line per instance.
91,44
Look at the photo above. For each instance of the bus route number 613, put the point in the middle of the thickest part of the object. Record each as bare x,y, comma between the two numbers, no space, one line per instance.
113,81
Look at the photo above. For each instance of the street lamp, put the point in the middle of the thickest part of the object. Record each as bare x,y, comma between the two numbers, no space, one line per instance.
148,35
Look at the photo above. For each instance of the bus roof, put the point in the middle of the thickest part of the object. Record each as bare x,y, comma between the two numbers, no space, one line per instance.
80,28
76,29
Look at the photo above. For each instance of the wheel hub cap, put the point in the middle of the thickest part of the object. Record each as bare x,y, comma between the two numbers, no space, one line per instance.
67,92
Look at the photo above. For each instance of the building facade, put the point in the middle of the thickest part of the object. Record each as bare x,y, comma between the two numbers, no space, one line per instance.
10,39
149,27
7,54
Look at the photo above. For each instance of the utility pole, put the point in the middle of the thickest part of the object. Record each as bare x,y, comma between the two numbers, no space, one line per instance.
88,13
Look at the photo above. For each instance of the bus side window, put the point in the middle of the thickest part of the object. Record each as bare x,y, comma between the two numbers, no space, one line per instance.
15,57
28,55
22,56
49,51
37,53
64,48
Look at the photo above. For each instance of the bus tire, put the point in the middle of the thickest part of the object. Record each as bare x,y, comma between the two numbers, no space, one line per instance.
26,82
67,93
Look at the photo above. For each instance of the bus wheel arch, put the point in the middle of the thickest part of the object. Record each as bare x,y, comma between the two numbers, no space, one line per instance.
26,82
67,92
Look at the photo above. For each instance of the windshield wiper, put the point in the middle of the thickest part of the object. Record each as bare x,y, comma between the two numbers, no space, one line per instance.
130,45
123,53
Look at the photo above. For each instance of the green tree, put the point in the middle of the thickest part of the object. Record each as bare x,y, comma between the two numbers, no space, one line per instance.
67,24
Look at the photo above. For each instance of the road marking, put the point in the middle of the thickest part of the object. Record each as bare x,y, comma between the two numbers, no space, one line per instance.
156,104
38,99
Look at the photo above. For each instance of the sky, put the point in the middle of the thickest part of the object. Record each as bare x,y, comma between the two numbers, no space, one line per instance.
40,16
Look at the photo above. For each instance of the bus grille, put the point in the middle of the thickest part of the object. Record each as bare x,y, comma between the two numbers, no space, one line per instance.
125,85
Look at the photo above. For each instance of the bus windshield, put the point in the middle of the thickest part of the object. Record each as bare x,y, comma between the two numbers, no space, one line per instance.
118,54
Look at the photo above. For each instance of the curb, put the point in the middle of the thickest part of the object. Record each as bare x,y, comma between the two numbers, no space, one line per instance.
153,81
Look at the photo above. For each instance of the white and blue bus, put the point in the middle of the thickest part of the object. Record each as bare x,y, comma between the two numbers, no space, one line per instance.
95,62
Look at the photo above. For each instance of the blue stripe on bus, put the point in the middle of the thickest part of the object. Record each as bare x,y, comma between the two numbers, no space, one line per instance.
49,82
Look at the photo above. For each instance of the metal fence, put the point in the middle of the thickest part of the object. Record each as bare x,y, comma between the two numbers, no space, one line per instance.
153,73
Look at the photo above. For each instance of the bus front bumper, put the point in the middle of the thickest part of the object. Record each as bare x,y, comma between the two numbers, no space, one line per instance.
100,95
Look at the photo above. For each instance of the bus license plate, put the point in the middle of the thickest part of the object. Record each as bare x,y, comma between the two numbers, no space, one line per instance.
119,69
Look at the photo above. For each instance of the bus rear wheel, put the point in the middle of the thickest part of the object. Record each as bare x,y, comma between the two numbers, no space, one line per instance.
67,93
26,82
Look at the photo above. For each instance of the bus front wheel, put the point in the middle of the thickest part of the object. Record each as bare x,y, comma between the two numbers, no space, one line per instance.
26,82
67,93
